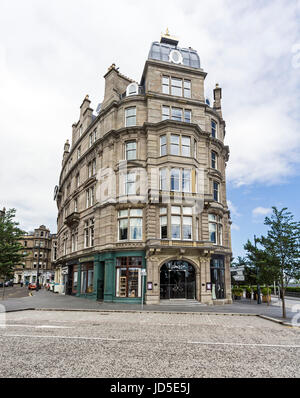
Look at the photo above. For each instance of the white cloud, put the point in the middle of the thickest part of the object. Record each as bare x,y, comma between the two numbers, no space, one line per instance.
235,227
261,211
54,53
233,209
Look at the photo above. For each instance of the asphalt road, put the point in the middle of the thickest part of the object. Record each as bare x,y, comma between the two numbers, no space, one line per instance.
15,291
110,344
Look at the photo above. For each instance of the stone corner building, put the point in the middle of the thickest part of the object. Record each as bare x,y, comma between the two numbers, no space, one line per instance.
39,248
143,187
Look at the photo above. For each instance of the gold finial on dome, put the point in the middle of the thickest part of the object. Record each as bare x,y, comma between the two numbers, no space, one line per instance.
167,38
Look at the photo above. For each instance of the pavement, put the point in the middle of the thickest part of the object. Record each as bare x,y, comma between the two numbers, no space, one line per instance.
48,300
80,344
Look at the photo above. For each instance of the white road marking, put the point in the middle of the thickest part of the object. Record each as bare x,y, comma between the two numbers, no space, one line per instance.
40,326
188,342
59,337
244,344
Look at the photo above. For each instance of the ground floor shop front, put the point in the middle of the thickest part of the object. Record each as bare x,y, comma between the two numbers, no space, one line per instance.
133,276
30,276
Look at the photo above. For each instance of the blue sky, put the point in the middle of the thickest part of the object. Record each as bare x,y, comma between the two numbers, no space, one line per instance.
253,203
54,53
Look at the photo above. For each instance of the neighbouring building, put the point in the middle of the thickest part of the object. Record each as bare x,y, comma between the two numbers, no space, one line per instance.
37,248
142,188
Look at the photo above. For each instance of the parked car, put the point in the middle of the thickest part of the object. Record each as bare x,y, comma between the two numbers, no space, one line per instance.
32,286
1,284
9,283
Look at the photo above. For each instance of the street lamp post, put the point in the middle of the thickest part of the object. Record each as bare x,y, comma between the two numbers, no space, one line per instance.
258,285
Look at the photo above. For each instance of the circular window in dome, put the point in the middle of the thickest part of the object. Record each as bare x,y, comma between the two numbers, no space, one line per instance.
175,57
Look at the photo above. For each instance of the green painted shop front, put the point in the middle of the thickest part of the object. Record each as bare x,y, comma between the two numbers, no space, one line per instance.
107,268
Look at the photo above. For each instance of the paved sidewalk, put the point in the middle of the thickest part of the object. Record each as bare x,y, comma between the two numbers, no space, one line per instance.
48,300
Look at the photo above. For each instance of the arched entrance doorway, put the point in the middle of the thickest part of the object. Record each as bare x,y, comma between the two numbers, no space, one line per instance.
177,280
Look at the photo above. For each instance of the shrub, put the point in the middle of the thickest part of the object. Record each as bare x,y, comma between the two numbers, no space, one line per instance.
265,291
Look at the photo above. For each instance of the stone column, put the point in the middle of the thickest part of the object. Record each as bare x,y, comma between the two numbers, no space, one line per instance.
227,280
205,278
78,280
109,280
153,275
198,282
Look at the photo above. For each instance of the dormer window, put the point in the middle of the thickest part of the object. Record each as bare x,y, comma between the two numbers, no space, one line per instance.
132,89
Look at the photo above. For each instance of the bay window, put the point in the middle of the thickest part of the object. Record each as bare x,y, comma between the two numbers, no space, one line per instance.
186,180
187,224
216,191
89,233
215,229
130,116
175,227
163,179
213,129
175,180
175,113
214,158
90,197
163,223
163,145
175,144
130,184
185,146
130,150
74,240
130,224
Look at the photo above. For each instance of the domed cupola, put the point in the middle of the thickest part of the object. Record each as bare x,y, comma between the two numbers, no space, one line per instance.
167,50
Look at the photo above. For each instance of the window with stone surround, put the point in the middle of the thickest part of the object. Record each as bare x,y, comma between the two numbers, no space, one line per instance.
214,160
177,114
89,233
130,150
214,125
130,116
176,86
130,223
216,191
215,229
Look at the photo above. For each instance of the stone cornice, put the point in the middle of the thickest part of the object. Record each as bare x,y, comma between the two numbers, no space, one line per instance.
170,66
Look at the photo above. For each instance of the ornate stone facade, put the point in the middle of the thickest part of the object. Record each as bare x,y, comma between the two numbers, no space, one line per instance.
143,186
39,247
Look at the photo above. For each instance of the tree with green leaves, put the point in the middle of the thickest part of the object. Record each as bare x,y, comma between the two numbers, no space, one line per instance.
260,265
10,246
282,244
